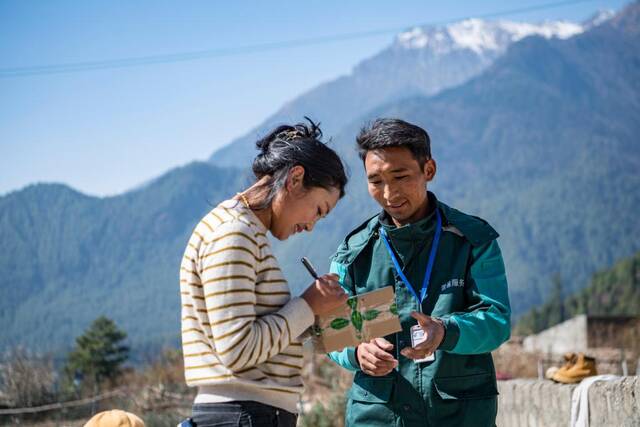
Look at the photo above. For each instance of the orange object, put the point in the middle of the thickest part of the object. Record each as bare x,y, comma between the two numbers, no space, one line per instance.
115,418
577,368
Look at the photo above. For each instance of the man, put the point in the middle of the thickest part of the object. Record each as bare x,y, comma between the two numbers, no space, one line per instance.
450,286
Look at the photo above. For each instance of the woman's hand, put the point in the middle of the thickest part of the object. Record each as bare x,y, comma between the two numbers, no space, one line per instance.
325,294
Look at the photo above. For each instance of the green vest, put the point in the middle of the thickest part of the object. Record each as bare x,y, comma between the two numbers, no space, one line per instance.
467,291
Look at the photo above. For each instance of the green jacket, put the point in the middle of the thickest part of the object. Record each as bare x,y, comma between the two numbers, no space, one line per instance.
467,291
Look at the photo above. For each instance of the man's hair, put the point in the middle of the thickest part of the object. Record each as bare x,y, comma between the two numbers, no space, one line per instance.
385,133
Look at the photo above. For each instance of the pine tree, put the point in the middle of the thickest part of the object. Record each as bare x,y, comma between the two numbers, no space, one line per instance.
99,352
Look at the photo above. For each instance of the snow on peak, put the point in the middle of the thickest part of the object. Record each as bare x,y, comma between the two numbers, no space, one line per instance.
480,36
598,18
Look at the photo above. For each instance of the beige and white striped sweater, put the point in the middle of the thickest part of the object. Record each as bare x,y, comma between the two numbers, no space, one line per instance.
240,326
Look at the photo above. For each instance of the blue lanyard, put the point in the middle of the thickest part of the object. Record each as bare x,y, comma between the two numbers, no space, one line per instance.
432,258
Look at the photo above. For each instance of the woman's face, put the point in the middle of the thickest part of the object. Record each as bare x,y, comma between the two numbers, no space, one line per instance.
297,209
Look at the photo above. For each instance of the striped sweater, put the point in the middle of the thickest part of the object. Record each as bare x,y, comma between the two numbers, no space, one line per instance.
240,326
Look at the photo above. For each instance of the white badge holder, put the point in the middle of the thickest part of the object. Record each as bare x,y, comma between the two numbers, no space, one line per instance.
418,336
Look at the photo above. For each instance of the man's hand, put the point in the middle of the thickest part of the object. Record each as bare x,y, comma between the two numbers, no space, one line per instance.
374,357
434,330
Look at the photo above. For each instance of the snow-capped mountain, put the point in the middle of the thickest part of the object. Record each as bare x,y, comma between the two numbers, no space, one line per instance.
419,61
480,36
598,19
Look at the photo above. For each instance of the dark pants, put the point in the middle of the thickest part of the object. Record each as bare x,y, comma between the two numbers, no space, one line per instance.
241,414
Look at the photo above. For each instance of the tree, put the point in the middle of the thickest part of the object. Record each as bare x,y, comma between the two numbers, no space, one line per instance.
99,353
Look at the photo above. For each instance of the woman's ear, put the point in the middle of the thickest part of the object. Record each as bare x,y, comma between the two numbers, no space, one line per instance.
295,179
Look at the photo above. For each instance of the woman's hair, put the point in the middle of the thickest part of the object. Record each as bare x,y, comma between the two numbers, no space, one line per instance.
298,145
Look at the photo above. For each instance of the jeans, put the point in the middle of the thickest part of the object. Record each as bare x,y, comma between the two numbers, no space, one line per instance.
241,414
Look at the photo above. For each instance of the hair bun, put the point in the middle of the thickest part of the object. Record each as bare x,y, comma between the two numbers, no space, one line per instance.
311,131
288,146
264,144
269,159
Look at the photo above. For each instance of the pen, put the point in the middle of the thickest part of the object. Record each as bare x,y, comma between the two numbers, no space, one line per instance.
309,267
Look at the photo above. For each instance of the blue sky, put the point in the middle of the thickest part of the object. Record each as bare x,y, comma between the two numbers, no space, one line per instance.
106,131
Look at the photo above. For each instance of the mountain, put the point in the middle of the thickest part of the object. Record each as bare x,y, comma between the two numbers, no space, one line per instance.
68,258
420,61
613,292
543,144
598,18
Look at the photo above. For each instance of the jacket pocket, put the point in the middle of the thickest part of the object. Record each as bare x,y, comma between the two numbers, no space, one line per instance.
371,389
479,386
369,402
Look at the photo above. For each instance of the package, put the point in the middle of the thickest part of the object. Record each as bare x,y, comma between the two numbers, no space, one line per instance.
363,317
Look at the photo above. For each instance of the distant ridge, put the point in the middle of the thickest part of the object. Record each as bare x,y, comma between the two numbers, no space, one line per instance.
420,61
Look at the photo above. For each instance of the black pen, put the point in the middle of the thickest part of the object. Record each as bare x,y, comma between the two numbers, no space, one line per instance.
309,267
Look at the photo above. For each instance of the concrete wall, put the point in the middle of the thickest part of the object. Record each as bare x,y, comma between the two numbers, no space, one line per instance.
534,403
583,333
568,336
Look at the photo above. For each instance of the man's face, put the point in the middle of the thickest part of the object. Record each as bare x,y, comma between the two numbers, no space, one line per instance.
398,183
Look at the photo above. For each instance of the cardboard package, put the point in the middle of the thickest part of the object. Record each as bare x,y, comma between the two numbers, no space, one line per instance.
362,318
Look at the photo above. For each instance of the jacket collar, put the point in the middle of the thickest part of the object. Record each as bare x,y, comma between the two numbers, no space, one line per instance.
360,237
475,230
414,231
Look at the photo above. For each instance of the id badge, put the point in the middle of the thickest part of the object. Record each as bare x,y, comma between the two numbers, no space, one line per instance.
417,336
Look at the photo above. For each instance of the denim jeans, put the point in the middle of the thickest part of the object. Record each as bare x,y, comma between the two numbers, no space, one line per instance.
241,414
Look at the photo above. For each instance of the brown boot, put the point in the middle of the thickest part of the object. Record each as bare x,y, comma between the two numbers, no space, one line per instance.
570,358
576,370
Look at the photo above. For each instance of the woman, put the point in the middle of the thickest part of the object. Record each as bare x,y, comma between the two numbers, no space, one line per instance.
240,325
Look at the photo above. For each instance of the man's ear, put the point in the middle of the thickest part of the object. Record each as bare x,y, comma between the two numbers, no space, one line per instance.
429,169
295,178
